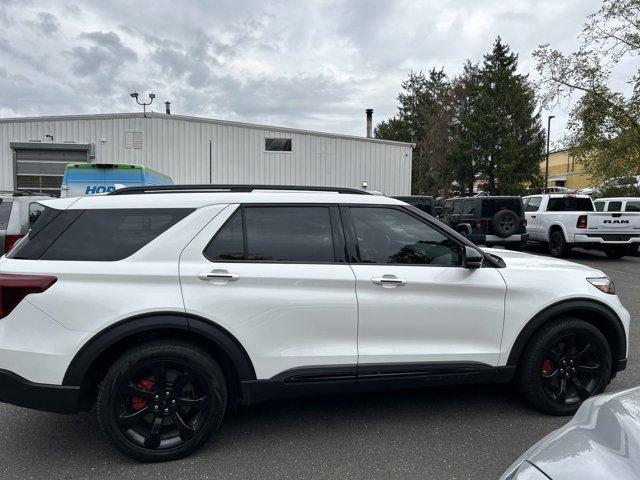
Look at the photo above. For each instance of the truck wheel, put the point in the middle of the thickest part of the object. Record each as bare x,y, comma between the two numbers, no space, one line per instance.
161,401
565,363
615,252
557,244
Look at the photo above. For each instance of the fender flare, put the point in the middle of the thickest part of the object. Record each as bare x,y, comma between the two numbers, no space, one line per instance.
589,306
206,329
561,227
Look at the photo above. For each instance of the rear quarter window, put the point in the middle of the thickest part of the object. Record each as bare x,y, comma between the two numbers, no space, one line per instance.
95,235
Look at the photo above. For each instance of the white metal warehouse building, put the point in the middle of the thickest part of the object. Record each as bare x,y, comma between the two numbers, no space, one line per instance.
34,151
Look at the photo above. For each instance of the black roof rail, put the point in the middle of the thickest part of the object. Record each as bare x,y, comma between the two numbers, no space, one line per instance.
24,193
229,188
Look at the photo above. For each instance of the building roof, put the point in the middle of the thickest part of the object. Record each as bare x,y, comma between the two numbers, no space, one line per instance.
163,116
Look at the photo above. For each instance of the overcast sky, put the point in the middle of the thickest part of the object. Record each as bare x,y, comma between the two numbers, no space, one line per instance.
304,64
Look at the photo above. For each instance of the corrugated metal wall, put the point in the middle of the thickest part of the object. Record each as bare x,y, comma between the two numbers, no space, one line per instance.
202,151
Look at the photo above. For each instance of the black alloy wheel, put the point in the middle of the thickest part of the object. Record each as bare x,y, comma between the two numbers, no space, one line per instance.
505,223
557,244
567,361
162,404
572,368
161,401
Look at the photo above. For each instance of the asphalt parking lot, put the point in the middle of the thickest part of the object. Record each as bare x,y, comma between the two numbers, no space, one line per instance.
470,432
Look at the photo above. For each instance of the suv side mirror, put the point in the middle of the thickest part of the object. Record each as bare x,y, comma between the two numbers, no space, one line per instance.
472,258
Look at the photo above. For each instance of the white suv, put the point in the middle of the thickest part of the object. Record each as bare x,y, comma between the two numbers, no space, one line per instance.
164,306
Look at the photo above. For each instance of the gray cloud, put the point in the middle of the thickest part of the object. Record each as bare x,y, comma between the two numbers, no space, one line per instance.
313,65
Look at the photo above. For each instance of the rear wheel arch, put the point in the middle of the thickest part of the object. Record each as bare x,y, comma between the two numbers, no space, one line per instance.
555,227
596,313
91,363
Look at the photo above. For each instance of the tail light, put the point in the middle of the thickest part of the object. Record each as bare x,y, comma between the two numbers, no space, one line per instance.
582,222
13,289
523,222
10,241
478,224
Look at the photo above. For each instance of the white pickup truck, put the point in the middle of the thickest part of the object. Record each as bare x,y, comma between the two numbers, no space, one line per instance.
566,221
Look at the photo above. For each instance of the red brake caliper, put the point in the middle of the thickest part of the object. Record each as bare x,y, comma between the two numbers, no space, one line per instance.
147,385
547,366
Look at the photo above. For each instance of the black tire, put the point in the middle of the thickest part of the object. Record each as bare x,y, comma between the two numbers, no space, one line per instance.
557,244
553,363
505,223
615,252
177,393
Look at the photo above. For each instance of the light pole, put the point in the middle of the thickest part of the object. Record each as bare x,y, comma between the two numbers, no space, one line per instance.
546,169
134,95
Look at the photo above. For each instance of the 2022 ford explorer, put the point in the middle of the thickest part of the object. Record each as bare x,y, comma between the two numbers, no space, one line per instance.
164,306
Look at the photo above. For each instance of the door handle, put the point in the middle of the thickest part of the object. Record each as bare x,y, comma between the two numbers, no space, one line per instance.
388,281
533,216
232,277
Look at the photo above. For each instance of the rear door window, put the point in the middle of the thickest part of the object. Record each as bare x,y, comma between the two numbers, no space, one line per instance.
570,204
5,213
615,206
300,234
95,235
533,204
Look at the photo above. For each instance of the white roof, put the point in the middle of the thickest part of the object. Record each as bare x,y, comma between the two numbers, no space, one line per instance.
618,199
201,199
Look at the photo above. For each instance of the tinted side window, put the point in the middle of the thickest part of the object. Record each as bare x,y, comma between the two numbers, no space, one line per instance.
599,206
614,207
5,213
228,243
633,207
457,206
98,235
447,207
469,206
289,234
533,204
387,235
275,234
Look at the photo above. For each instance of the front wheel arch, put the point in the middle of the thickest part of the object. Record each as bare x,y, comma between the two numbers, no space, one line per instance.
597,313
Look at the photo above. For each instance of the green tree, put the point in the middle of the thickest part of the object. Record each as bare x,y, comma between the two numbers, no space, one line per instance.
604,128
504,135
424,118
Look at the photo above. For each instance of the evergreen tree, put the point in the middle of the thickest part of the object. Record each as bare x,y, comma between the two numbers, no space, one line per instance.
424,118
505,130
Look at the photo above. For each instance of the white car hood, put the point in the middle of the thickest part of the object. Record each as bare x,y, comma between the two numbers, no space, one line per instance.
522,260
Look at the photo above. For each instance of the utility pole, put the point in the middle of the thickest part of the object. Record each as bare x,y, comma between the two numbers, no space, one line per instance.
546,169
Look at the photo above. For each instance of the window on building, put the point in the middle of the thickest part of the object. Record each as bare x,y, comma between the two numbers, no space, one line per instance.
277,144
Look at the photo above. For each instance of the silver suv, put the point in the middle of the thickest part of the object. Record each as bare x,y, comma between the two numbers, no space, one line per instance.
18,210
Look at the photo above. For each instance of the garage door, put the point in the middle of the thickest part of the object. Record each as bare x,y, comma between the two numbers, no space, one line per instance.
40,169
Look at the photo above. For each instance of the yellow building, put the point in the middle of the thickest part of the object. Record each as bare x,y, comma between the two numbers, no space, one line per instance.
565,171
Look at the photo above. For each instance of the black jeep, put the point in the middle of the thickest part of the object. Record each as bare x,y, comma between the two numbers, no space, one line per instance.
487,220
421,202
